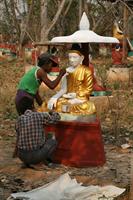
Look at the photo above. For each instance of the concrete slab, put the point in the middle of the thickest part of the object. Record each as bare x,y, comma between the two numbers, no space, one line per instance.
102,104
120,74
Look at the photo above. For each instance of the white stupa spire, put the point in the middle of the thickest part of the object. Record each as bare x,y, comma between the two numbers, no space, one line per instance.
84,22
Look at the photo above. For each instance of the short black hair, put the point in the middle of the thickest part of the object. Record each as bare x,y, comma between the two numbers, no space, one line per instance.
26,103
44,59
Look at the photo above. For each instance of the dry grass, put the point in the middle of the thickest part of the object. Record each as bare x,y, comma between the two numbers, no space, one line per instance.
10,73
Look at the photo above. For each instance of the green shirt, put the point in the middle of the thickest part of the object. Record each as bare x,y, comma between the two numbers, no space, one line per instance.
29,82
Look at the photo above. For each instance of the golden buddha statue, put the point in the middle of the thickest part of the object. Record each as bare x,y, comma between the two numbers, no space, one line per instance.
117,33
76,87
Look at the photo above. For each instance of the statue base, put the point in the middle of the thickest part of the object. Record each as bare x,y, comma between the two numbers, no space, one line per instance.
79,144
67,117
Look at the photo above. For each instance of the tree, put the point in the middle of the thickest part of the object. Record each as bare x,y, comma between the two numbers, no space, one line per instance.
45,26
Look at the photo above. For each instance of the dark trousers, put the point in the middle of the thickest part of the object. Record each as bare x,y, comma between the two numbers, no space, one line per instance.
19,98
39,155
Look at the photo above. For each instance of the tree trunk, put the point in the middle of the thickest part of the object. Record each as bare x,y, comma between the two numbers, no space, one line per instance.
68,7
45,29
125,17
44,22
80,9
25,23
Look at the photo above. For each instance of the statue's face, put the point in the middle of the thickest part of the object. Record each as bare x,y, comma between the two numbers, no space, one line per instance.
75,59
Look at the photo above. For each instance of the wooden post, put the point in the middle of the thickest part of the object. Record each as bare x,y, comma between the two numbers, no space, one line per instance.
85,51
125,19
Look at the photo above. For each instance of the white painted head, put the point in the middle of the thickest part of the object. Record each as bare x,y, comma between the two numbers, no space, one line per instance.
75,59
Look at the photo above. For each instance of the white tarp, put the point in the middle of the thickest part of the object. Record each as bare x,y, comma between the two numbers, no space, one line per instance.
65,188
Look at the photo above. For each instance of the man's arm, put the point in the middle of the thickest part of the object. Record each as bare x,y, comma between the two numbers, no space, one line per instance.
51,84
50,117
38,99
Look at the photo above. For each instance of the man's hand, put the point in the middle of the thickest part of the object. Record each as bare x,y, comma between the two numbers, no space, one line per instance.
38,99
54,117
62,72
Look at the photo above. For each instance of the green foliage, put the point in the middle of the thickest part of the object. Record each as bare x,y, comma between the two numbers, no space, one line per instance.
101,71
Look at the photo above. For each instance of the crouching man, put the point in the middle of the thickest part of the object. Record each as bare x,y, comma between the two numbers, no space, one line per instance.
32,146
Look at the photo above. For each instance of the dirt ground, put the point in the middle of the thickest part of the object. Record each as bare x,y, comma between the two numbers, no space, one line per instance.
13,178
117,129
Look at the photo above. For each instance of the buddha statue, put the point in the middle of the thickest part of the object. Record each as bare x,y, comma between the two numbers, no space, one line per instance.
76,87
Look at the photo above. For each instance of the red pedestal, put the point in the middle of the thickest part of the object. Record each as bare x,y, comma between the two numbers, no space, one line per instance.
79,144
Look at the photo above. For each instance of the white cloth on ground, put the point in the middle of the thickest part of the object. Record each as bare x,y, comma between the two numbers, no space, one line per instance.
65,188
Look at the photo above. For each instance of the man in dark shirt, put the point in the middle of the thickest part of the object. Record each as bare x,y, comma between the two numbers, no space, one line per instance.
32,146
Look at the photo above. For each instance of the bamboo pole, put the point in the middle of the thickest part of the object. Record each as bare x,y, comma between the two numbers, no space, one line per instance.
48,43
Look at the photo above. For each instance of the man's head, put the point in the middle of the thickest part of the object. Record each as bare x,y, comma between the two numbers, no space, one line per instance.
26,103
46,61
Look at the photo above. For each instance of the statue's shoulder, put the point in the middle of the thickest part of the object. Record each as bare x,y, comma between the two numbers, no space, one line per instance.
86,69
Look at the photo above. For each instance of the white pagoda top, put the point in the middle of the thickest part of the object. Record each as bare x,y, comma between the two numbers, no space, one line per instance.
84,35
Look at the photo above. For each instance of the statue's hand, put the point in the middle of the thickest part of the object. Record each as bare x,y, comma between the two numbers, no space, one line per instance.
71,95
76,101
52,103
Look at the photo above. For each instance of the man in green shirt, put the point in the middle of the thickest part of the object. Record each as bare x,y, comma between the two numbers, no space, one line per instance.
30,82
